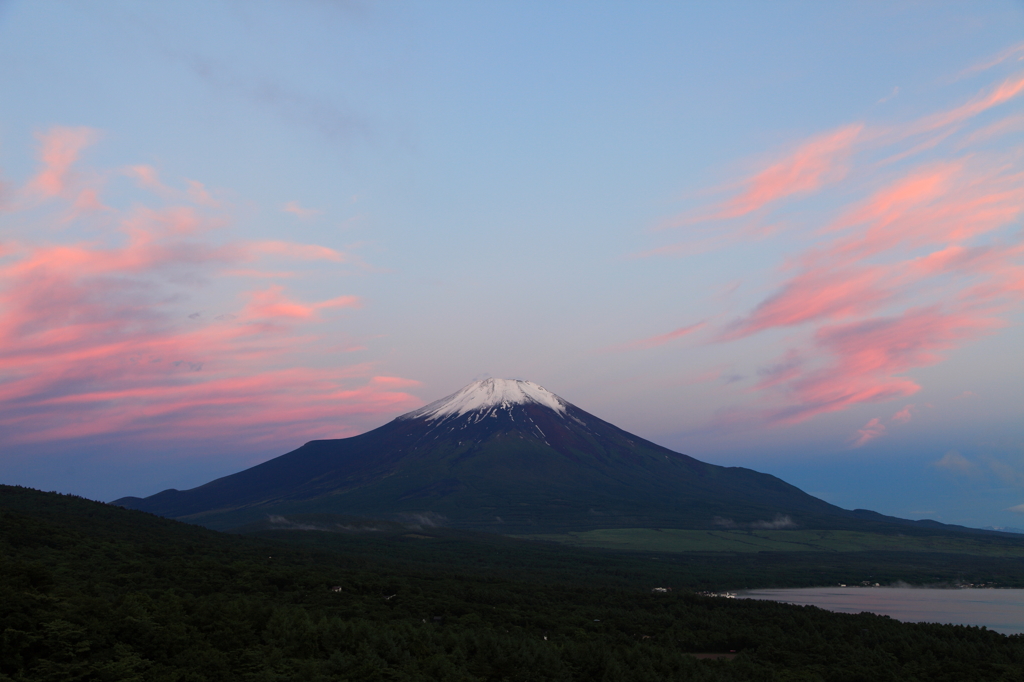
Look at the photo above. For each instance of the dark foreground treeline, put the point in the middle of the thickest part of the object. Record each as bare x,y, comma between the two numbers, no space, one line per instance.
92,592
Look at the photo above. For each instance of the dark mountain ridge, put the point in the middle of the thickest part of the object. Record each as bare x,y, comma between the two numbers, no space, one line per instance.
504,456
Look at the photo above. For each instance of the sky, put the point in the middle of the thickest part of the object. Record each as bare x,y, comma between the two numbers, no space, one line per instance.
785,236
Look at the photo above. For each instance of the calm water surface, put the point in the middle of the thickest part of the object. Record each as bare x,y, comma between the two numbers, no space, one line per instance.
999,610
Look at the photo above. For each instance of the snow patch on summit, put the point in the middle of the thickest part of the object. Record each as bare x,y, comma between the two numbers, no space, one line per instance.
489,393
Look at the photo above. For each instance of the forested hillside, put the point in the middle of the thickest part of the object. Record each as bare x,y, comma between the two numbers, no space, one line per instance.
94,592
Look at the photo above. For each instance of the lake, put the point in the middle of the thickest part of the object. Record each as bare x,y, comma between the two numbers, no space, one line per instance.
999,610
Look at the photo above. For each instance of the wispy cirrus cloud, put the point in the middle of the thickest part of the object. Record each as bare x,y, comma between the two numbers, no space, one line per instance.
993,131
991,97
819,161
870,431
904,415
294,208
97,343
659,340
59,149
822,161
272,304
300,251
865,361
876,428
1012,53
815,162
917,253
196,193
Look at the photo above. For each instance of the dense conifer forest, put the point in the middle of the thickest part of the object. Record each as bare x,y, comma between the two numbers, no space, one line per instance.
94,592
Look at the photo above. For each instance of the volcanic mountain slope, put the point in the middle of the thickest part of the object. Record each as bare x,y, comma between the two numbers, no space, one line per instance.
506,456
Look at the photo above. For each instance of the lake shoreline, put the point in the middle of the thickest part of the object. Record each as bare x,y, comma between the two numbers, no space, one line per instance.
997,608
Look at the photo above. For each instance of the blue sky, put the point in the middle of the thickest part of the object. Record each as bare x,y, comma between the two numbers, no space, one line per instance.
779,236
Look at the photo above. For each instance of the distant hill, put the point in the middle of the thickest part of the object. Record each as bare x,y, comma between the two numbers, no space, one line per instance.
507,456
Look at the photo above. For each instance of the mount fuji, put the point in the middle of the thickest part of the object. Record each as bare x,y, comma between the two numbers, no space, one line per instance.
504,456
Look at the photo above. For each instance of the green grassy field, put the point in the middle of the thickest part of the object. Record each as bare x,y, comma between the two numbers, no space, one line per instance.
675,540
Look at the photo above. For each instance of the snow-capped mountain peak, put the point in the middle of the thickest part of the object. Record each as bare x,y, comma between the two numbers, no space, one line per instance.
489,393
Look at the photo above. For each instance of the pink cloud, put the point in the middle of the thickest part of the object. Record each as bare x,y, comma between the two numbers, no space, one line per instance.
340,302
660,339
304,213
815,294
272,304
198,193
890,202
824,160
87,201
870,431
60,148
892,95
814,163
863,360
299,251
937,207
395,382
1005,126
260,274
929,260
96,341
904,415
148,177
995,96
1015,53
